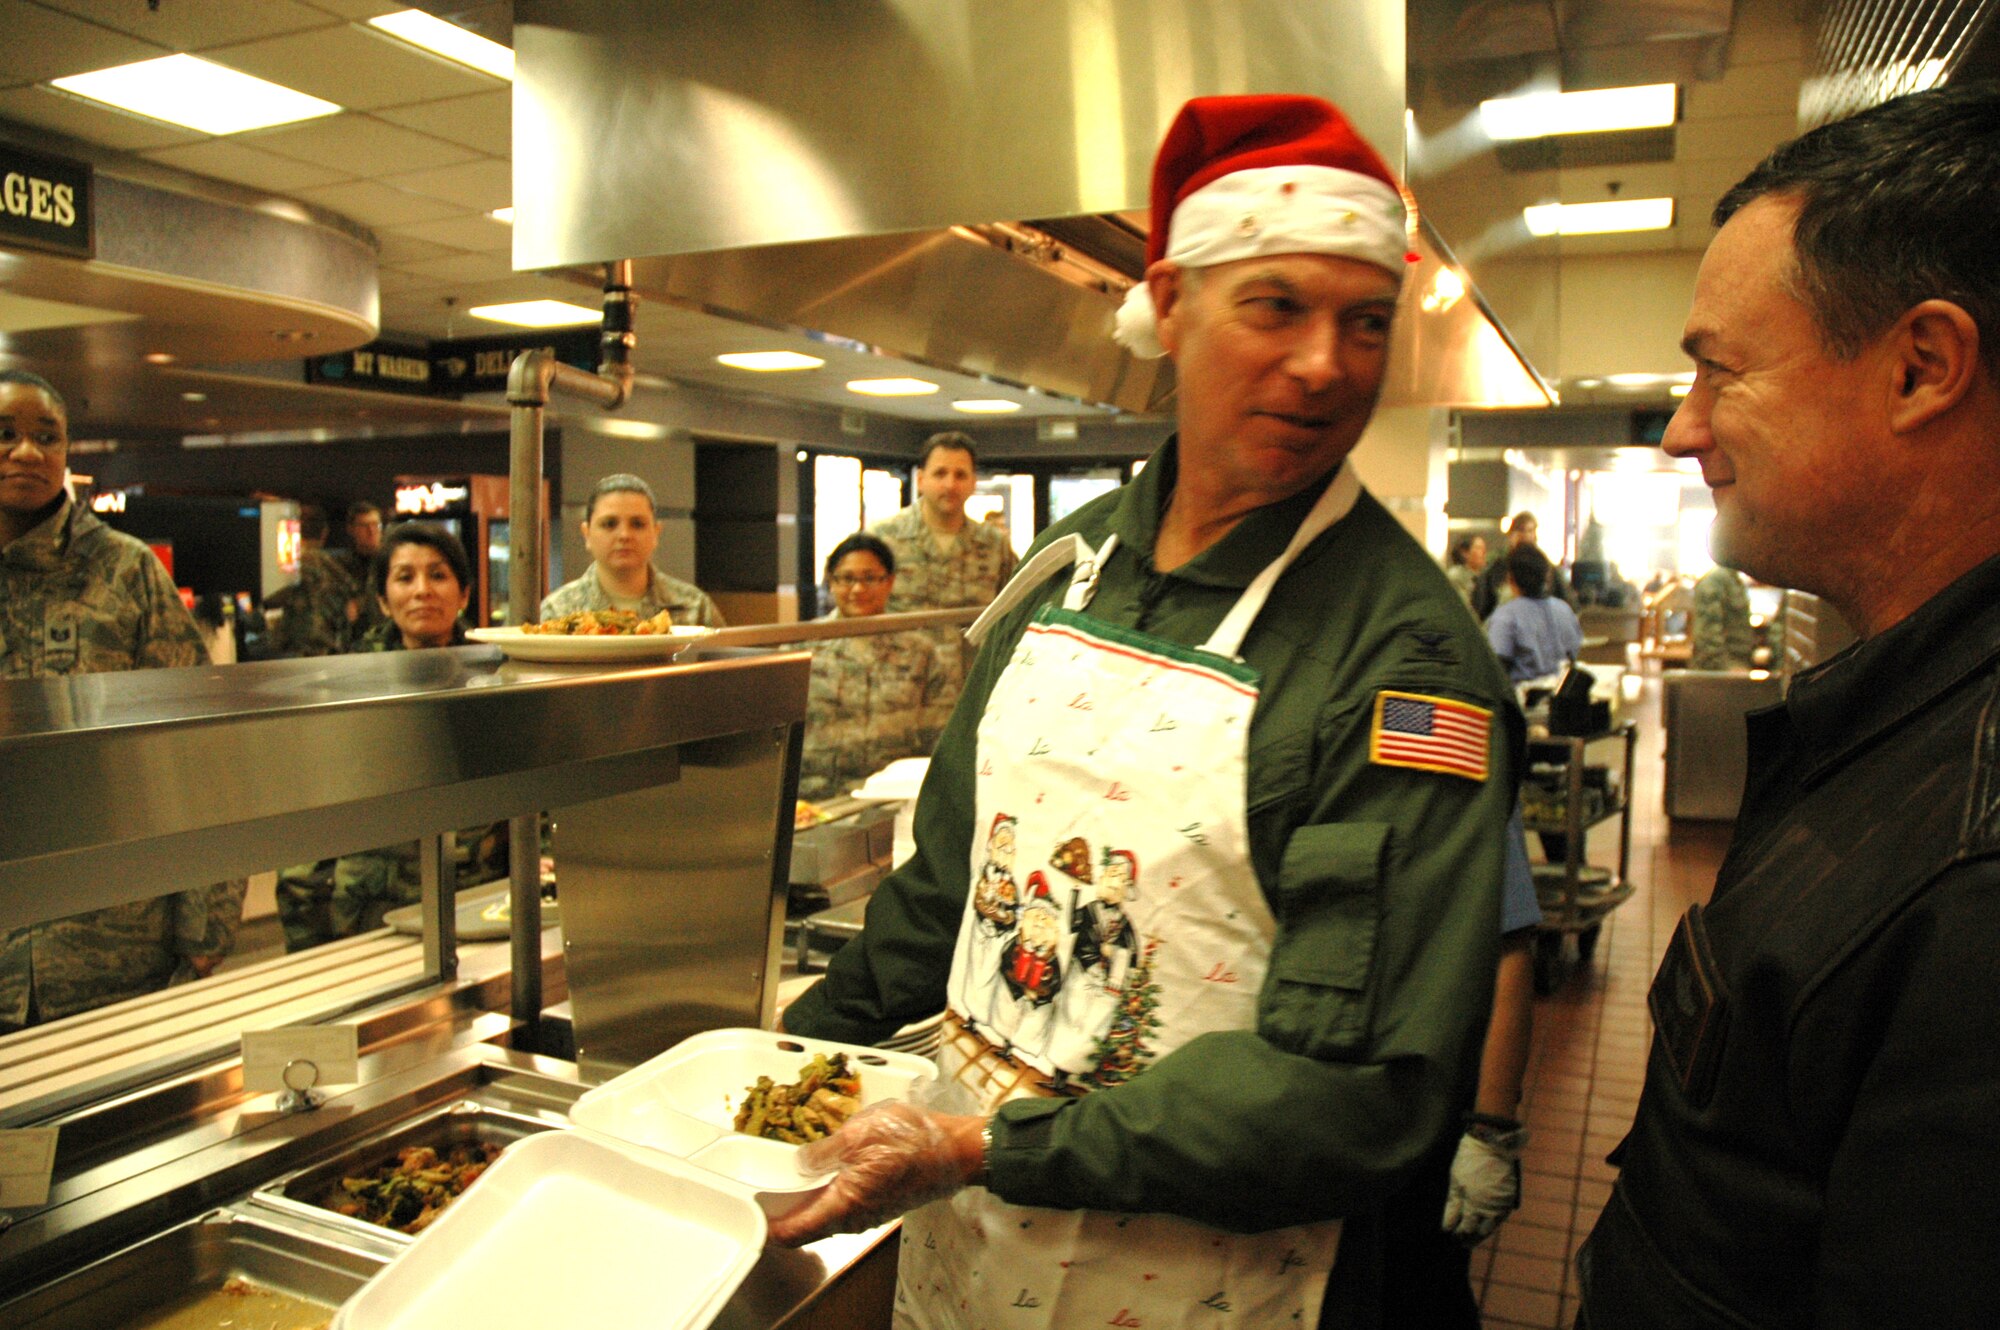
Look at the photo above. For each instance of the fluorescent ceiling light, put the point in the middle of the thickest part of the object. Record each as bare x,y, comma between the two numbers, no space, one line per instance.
195,93
630,429
448,40
502,215
1637,380
537,314
767,362
985,406
891,387
1680,390
1542,114
1590,219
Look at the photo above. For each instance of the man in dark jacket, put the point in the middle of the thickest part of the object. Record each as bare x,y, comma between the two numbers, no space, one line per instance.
1815,1142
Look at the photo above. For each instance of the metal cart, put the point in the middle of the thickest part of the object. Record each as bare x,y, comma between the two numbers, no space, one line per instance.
1575,895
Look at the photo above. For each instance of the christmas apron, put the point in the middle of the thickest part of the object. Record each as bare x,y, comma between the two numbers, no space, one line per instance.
1113,916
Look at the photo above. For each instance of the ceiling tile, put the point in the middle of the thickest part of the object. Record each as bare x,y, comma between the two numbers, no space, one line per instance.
394,247
228,160
47,109
483,185
484,121
185,26
356,67
1707,140
359,145
1761,90
374,204
463,268
480,234
42,44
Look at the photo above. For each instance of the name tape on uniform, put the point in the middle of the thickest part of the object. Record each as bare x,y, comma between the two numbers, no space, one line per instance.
316,1054
1429,733
27,1160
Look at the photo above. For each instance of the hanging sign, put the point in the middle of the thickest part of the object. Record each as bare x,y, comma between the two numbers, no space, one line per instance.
45,203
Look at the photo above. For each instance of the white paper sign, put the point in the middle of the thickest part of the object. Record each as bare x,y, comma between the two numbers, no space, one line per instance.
317,1056
27,1158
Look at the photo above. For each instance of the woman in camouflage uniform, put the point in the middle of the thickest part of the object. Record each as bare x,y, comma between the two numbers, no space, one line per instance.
77,597
872,699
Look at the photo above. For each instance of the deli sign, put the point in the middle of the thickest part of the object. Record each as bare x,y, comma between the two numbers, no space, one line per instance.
45,203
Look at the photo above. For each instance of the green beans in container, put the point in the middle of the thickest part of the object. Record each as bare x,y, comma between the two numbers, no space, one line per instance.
826,1094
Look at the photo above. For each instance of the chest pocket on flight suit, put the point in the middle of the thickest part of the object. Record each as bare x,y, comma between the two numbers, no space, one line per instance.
1315,998
59,640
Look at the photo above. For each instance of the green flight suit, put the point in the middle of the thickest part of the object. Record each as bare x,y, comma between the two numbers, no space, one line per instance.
1385,882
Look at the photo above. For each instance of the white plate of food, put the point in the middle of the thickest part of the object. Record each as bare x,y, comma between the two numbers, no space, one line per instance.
594,636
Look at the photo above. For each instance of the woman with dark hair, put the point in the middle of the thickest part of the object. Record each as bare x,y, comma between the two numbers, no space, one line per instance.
1535,634
874,698
1465,562
422,581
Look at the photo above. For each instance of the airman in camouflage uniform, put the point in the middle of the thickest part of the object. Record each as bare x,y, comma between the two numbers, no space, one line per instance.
79,598
319,610
685,602
931,577
1720,634
871,701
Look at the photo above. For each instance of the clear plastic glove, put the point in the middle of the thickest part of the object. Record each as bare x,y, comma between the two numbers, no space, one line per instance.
892,1157
1485,1184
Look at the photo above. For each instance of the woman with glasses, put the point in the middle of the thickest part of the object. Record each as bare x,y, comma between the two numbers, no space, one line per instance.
874,698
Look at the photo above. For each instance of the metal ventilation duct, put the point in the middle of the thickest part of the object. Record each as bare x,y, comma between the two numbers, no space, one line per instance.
862,168
1867,51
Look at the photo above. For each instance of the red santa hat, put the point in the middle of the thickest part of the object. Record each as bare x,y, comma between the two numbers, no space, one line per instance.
1242,177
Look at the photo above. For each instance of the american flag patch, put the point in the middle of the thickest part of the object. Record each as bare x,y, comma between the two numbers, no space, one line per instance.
1430,734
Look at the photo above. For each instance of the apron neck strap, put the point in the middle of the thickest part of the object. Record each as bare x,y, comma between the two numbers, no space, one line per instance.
1335,502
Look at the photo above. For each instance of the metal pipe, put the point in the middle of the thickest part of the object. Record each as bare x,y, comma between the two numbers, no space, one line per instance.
533,376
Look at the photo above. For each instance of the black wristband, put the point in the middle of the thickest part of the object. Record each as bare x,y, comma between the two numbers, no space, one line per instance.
1493,1120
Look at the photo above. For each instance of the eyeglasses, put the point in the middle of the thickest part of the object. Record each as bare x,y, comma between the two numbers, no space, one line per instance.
849,580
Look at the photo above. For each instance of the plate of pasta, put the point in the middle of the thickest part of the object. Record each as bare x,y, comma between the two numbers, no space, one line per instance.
594,637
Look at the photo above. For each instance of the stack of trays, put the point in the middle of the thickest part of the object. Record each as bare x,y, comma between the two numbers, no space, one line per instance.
921,1038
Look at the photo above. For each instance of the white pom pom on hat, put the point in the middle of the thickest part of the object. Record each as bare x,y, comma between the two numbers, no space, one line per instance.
1242,177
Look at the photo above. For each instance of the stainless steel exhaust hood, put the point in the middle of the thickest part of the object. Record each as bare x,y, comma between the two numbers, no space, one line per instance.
873,170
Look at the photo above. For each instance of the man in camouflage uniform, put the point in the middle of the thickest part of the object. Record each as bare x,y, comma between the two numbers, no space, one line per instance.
1721,636
621,528
317,613
364,537
944,562
79,598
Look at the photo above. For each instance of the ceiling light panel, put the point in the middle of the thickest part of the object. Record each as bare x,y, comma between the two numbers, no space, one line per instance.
891,387
985,406
1543,114
537,314
1590,219
448,40
769,362
197,94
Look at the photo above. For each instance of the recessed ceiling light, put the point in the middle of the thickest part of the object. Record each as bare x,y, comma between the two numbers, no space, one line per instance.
536,314
1635,380
985,406
1542,114
195,93
194,397
891,387
502,215
629,429
1589,383
1590,219
769,361
159,358
1680,389
448,40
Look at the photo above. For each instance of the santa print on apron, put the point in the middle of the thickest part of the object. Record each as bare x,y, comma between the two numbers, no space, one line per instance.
1113,916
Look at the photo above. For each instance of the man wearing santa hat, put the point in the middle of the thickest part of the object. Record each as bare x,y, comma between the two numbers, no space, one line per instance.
1240,667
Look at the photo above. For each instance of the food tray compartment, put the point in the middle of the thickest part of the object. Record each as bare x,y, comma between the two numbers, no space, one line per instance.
145,1282
684,1102
614,1236
311,1192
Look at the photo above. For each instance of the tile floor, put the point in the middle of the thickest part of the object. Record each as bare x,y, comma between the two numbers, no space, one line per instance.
1589,1058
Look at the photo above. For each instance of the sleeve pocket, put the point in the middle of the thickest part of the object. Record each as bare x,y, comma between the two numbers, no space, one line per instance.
1315,999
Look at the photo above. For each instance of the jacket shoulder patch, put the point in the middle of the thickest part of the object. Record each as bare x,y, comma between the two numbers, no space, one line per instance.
1429,733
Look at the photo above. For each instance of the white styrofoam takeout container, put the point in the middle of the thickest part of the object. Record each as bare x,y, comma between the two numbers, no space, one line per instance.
622,1237
684,1103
